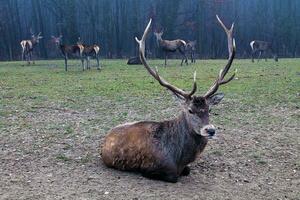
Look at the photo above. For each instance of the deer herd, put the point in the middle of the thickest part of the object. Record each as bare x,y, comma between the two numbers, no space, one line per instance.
85,52
159,149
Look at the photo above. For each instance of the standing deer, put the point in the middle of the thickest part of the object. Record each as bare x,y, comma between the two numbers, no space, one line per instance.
67,50
171,46
262,47
88,51
28,46
191,49
162,150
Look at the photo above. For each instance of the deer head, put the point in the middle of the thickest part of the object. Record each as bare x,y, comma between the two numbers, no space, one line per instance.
35,38
57,40
158,35
195,108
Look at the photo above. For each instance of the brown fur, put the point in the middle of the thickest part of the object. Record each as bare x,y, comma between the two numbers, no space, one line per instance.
67,50
160,150
128,147
263,48
28,46
171,46
91,50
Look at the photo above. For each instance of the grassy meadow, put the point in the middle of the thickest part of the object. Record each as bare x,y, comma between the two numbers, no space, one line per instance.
52,121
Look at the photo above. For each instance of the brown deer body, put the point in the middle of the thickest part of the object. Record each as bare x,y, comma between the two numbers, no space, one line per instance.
162,150
90,51
67,50
28,46
169,46
263,48
191,49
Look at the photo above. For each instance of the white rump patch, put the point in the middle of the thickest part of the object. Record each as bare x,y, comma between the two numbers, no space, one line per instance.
97,49
23,44
251,44
183,42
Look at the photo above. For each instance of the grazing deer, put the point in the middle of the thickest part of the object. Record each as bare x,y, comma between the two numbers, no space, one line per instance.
162,150
88,51
67,50
191,49
262,47
171,46
29,45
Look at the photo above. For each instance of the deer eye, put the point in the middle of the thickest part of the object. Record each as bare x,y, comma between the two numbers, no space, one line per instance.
190,111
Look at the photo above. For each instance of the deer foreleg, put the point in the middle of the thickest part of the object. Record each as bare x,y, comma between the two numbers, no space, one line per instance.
184,56
66,62
252,56
260,52
98,65
23,55
194,59
28,58
265,55
89,62
82,62
166,58
31,58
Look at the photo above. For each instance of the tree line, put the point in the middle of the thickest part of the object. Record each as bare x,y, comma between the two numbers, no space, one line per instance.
113,24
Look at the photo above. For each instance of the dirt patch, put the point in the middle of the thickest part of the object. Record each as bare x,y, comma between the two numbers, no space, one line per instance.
52,152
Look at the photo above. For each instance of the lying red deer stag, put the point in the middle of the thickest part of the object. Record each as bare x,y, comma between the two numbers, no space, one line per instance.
162,150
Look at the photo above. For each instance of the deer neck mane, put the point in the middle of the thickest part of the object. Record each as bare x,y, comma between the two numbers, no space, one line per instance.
180,125
181,140
33,42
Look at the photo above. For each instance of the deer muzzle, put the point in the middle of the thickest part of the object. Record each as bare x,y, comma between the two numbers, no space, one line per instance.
208,131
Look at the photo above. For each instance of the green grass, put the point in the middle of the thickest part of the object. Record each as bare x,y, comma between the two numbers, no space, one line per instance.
62,157
46,84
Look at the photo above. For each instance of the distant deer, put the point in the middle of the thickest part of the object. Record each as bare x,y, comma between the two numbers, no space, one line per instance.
67,50
88,51
171,46
29,45
262,47
191,49
162,150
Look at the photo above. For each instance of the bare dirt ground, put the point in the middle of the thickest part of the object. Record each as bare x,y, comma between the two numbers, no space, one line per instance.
43,161
50,149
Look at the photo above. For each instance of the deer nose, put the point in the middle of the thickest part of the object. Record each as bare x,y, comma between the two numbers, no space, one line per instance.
211,131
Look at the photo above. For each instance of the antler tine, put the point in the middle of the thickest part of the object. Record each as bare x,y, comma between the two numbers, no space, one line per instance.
154,73
31,32
231,50
229,33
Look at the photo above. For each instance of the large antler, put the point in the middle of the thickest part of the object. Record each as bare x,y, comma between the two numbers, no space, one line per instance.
231,50
177,91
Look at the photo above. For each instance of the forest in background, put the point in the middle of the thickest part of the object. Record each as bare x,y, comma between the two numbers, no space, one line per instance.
113,24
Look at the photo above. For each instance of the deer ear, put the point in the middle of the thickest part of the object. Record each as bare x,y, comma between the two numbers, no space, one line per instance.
215,99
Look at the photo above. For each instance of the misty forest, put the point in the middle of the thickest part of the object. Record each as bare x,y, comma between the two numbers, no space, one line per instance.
150,99
113,24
